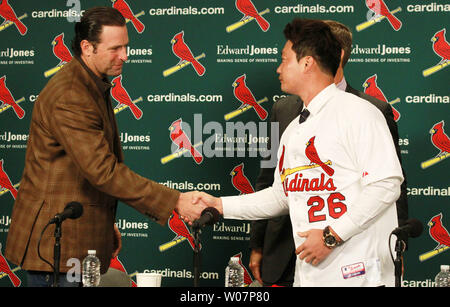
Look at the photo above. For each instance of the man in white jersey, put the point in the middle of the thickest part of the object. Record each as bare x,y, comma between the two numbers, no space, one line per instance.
338,176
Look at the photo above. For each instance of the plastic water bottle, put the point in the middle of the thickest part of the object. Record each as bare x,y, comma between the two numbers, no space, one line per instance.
234,273
91,270
443,277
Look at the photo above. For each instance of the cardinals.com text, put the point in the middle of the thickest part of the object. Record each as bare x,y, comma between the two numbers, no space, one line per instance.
190,186
187,97
174,11
313,9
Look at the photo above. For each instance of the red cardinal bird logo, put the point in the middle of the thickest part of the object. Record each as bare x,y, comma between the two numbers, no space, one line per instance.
311,154
5,182
126,12
117,264
180,139
438,232
60,50
371,88
5,269
240,181
439,139
247,277
7,12
244,95
440,46
247,8
7,98
120,94
380,8
182,51
180,229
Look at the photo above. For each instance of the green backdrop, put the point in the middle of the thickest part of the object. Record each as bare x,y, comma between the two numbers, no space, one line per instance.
400,60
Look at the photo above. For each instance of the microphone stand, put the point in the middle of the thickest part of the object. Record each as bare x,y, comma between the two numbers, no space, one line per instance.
57,253
197,255
398,262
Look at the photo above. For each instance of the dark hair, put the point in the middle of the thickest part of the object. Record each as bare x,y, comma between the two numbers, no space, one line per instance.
344,35
314,38
91,25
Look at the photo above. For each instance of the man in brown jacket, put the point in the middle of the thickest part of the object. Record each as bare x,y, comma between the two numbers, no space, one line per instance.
74,154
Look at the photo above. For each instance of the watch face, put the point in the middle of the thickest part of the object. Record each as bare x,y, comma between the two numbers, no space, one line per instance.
330,240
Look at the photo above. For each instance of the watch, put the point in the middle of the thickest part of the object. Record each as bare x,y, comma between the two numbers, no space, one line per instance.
329,239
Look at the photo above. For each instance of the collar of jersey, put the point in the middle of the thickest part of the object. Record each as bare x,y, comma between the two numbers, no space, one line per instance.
321,99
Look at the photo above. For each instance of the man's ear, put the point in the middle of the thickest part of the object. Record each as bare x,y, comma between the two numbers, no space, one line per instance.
86,47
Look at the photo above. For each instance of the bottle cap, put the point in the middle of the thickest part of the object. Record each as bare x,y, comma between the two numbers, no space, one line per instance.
445,267
92,252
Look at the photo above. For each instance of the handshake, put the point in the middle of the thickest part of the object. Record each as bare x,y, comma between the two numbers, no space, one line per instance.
190,205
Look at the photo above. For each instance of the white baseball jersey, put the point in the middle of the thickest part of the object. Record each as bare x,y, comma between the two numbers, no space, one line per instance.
337,168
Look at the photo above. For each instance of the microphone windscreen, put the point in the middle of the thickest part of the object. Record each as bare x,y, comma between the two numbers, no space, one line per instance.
416,227
76,209
214,213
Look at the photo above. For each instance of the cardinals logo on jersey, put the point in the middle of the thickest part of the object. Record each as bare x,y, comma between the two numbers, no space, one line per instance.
439,234
248,9
185,56
10,18
377,12
372,89
7,100
120,94
5,270
441,141
5,182
123,7
61,52
292,179
181,231
240,181
442,49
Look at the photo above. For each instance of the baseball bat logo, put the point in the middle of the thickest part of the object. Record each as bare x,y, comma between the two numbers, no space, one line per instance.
248,9
10,18
442,49
185,56
123,7
120,94
438,233
7,100
180,138
61,52
246,97
378,12
441,141
372,89
181,231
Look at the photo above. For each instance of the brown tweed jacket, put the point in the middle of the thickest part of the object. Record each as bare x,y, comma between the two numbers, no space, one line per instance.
74,154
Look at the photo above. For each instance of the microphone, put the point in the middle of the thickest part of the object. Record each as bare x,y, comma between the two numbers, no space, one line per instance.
209,216
412,228
73,210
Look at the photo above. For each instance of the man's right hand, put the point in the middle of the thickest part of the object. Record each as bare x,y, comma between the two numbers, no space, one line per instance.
255,263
